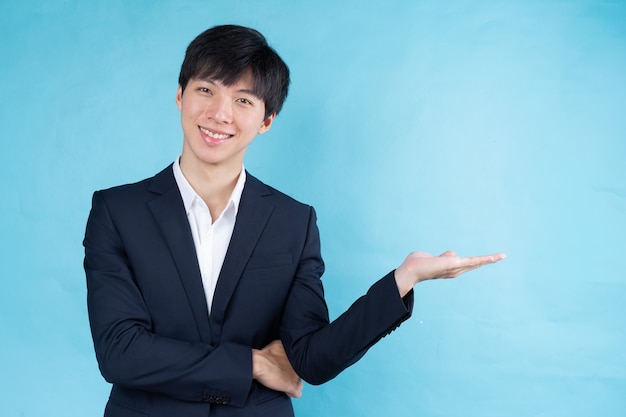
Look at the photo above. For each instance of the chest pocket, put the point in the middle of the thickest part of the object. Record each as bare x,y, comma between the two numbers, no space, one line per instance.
273,260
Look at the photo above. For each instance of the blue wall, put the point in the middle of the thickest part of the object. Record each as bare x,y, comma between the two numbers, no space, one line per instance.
481,126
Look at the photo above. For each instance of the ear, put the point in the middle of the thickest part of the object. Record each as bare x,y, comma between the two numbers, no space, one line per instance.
267,123
179,98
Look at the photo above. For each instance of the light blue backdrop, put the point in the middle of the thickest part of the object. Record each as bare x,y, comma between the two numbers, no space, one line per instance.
480,126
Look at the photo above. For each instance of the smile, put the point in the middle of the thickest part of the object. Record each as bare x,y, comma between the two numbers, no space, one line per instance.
214,135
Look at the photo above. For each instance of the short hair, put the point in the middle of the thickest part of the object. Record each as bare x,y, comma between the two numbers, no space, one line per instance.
227,53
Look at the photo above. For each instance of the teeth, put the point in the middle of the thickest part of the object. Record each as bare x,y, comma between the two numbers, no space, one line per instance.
213,134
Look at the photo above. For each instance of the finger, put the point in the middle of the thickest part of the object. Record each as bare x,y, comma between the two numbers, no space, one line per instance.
474,262
420,255
448,253
276,345
498,256
493,258
297,391
300,387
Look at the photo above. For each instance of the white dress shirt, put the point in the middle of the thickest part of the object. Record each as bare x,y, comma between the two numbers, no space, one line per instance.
211,238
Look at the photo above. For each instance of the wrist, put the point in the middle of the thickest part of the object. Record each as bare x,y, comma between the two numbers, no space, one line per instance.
403,281
259,364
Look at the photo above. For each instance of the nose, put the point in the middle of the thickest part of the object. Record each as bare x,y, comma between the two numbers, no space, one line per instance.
220,110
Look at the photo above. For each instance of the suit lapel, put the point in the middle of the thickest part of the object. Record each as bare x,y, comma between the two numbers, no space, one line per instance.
254,212
169,211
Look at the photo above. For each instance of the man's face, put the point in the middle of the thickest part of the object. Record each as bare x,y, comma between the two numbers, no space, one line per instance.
219,122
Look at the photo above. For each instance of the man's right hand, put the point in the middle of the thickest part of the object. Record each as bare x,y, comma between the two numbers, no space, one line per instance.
271,368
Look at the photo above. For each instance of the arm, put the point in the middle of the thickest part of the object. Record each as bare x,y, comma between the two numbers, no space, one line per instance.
129,352
320,350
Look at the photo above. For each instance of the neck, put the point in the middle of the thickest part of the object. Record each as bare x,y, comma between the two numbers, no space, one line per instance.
213,183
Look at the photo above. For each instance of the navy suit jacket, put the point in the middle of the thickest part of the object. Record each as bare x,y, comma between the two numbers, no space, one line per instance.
154,338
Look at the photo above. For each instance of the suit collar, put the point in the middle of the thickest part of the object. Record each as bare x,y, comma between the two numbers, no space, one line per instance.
163,182
189,195
169,212
254,212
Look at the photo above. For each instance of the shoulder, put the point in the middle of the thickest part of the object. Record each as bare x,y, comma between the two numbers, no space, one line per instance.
141,190
255,187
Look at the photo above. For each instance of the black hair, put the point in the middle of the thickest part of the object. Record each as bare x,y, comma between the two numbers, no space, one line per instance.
227,53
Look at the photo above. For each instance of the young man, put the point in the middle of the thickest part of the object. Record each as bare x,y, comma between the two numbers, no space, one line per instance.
204,288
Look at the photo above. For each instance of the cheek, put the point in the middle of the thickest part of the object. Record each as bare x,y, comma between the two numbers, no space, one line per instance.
190,111
249,123
191,105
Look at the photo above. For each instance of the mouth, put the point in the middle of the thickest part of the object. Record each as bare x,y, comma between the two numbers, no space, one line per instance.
212,136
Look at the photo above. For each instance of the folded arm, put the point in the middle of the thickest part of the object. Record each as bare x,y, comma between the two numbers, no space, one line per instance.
129,353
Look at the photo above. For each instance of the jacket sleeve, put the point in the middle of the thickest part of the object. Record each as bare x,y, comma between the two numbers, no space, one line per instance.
129,353
319,350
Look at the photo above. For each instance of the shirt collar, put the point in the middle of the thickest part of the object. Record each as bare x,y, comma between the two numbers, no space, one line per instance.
189,194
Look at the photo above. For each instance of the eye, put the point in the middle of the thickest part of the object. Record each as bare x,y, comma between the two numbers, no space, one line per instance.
204,90
244,100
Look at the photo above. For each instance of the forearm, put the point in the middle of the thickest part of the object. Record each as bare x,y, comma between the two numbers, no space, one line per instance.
328,348
130,354
179,369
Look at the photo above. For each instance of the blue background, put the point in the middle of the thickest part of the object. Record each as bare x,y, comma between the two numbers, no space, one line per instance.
480,126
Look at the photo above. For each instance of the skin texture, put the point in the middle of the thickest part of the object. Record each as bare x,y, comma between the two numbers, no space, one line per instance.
219,122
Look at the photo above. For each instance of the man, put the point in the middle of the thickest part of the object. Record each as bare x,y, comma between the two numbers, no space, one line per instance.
204,288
